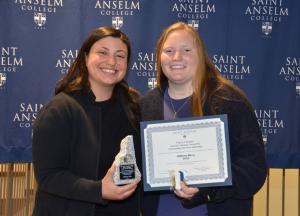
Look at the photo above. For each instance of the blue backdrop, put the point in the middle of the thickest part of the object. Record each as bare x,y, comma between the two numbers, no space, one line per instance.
256,44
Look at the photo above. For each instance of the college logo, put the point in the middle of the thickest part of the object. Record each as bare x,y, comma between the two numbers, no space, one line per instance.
194,23
266,12
40,18
66,58
2,80
40,9
117,22
232,67
266,27
9,59
117,9
265,138
152,82
144,65
291,70
269,122
298,89
26,114
193,10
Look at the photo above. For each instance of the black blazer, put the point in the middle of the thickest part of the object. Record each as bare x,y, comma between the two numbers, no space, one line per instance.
66,158
247,157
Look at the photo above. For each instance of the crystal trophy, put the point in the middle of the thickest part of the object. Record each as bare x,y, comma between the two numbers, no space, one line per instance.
126,168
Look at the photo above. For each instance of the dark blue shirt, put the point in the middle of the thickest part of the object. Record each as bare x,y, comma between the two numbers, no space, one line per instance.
169,204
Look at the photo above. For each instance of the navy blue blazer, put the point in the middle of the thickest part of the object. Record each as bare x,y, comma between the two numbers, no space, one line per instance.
248,163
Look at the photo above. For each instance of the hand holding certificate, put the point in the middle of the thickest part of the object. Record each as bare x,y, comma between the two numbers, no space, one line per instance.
197,147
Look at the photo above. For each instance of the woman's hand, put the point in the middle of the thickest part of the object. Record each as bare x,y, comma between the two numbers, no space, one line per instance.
186,192
111,191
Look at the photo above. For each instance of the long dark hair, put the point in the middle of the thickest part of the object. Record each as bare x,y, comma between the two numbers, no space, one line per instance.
77,76
204,90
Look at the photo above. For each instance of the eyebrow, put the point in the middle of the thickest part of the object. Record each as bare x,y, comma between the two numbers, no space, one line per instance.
116,51
122,51
172,47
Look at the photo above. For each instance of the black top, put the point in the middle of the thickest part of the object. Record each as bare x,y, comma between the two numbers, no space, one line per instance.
248,163
115,126
70,154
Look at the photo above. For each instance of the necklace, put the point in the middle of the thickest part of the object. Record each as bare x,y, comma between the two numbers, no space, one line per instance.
180,108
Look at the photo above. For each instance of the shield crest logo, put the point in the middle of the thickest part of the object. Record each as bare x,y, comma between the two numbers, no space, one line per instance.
2,79
266,27
194,23
152,82
265,138
117,22
298,88
40,18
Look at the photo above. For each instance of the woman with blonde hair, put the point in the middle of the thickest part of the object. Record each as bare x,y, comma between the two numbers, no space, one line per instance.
188,84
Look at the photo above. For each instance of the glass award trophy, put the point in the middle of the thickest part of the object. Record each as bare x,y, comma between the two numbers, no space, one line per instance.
126,168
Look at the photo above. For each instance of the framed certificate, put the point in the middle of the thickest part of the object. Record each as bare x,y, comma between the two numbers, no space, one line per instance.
197,146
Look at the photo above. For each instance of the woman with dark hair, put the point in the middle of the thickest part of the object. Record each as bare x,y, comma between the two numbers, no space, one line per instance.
77,135
189,85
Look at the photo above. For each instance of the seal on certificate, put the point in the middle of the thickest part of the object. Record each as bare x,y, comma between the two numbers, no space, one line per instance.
126,168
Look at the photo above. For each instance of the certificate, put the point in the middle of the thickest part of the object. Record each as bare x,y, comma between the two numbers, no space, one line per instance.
197,146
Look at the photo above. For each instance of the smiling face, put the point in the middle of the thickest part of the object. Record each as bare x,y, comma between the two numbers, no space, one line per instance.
179,58
106,63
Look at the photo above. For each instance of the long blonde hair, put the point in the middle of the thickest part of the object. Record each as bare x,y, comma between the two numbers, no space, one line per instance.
206,71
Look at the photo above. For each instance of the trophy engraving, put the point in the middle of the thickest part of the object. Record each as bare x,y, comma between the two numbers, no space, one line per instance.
125,161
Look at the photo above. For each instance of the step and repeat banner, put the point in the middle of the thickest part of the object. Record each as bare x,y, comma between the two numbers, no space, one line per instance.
253,43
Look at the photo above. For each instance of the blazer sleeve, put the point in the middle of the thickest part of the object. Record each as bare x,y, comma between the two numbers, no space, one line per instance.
248,163
51,148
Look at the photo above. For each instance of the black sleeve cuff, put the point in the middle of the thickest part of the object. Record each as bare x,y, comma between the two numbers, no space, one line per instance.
205,195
